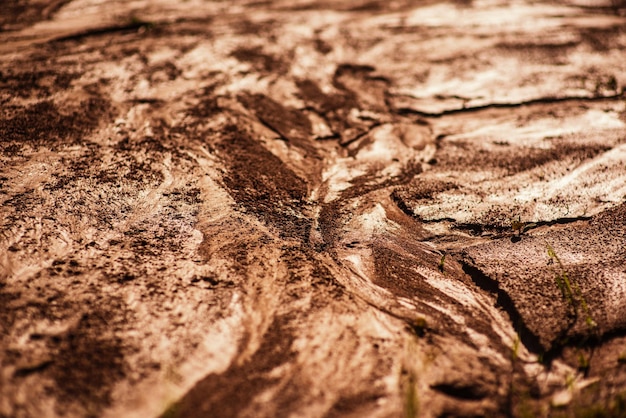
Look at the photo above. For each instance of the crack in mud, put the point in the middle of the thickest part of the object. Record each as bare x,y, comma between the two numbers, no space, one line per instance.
527,103
504,301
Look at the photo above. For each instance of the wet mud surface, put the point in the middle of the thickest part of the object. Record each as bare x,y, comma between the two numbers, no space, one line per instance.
312,208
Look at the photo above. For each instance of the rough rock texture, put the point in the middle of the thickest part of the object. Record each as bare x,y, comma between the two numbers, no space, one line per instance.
312,208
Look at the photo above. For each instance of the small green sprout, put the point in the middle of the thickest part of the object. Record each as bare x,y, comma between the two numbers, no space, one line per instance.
562,279
583,362
411,399
570,379
569,289
515,349
173,410
520,227
541,358
136,21
441,263
418,326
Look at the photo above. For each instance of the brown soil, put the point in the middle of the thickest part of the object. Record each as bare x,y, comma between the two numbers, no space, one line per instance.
321,209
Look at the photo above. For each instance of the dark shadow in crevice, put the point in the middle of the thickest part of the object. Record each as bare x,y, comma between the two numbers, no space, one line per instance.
504,301
133,25
527,337
542,100
459,391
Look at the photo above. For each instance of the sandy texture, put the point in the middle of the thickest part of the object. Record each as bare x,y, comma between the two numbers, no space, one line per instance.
312,209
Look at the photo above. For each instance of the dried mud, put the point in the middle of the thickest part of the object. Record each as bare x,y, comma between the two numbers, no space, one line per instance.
319,209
